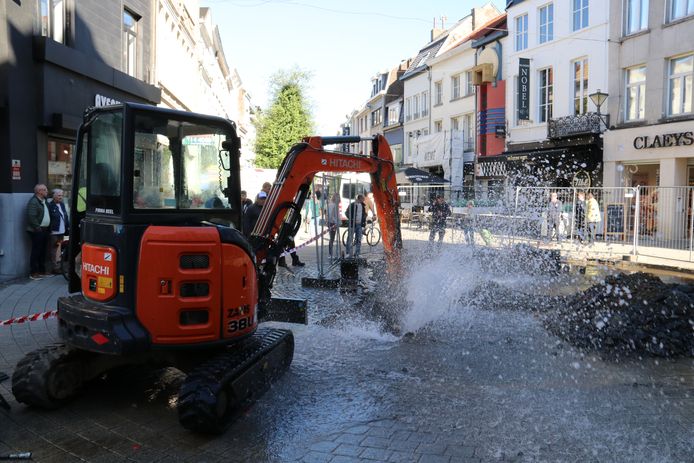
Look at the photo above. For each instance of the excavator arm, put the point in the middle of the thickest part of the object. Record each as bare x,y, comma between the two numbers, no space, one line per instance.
281,216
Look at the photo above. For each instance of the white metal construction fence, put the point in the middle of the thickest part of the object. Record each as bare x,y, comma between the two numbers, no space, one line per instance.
649,219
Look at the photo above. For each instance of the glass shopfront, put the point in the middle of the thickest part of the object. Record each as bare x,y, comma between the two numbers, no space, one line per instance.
60,164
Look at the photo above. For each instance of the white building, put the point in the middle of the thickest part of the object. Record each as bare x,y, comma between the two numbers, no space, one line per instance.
651,84
192,71
439,102
552,129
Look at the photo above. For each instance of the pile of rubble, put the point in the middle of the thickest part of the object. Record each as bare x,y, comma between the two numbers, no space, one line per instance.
635,313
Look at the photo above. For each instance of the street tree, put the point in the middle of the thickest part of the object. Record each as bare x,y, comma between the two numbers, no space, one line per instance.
287,120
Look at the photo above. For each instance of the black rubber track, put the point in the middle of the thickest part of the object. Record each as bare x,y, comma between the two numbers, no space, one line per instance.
199,394
31,376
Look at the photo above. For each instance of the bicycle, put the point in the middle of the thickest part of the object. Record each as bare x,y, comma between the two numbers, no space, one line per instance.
371,232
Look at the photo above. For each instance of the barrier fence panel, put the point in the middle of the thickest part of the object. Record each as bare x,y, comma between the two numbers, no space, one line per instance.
647,220
665,221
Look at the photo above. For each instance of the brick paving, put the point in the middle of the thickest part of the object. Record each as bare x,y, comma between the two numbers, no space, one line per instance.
477,386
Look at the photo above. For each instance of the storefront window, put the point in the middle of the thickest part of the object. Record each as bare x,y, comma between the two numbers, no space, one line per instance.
60,165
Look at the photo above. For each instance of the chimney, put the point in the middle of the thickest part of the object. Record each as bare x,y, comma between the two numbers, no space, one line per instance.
437,31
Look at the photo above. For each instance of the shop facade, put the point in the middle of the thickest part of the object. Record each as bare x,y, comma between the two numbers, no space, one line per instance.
655,155
55,73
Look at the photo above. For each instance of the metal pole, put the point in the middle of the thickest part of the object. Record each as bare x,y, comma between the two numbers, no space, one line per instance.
515,217
322,228
312,204
637,213
573,218
691,224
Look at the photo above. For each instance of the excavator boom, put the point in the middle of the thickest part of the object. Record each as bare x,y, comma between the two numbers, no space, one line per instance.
280,217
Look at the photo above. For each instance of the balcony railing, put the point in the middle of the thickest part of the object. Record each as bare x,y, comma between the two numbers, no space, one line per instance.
580,124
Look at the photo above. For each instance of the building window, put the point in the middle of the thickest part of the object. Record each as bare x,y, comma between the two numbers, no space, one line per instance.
455,87
580,14
469,88
376,117
522,32
547,23
53,17
636,15
546,94
680,9
635,93
681,75
438,93
408,109
438,126
468,132
580,73
60,164
415,107
425,104
130,43
393,115
456,123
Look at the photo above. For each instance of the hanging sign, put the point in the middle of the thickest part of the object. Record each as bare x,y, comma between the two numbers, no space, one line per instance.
523,89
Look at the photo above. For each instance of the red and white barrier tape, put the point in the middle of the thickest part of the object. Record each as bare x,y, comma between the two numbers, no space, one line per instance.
53,313
303,245
29,318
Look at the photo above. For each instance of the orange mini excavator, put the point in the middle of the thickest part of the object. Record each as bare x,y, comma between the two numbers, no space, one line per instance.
160,272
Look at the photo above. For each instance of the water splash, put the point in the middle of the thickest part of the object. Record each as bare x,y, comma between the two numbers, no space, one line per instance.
437,284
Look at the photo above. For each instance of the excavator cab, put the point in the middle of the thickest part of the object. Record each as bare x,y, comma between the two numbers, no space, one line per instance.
161,258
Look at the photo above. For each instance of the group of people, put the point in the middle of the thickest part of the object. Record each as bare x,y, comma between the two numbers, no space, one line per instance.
251,213
586,217
48,223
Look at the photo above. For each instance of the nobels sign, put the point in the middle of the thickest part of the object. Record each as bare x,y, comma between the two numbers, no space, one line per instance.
665,140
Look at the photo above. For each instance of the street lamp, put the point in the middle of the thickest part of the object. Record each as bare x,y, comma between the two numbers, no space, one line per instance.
598,98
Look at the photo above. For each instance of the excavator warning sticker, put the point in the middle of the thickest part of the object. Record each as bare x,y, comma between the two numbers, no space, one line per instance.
104,282
108,257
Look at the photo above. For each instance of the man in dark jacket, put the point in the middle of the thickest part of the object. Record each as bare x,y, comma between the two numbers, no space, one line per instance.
440,211
250,217
60,226
356,215
38,227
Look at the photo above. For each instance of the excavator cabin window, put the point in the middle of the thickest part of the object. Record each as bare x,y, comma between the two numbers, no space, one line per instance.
177,165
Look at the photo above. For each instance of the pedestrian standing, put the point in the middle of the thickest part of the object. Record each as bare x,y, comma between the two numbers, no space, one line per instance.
469,222
440,211
592,216
580,216
245,201
333,219
554,210
38,227
356,216
250,218
60,226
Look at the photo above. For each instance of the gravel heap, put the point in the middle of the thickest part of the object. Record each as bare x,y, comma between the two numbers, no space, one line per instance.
628,314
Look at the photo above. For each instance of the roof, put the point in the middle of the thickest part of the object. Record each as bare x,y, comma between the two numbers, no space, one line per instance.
510,3
418,64
491,26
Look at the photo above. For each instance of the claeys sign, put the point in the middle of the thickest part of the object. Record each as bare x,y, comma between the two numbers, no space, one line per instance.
664,141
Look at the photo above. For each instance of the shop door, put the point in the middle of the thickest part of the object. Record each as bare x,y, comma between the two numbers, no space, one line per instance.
60,165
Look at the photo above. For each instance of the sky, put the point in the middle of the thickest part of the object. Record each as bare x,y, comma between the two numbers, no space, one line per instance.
342,44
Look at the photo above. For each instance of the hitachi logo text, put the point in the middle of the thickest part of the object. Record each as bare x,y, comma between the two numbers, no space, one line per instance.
98,269
346,163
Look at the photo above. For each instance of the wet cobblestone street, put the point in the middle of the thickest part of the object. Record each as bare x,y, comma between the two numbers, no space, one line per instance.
474,385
